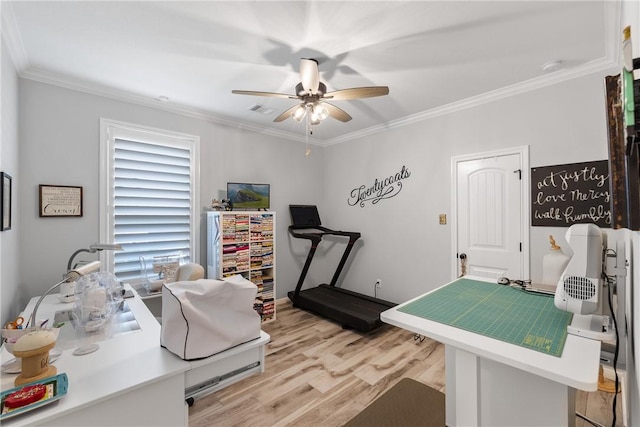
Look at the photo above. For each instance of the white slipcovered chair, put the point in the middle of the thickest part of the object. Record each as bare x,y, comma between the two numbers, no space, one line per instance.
189,271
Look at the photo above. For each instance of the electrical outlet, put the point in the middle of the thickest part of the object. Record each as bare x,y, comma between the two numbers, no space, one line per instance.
378,284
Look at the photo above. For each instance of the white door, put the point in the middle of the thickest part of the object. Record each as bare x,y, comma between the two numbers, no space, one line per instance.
491,219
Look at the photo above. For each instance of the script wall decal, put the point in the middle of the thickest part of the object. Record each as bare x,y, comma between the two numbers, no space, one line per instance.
575,193
383,188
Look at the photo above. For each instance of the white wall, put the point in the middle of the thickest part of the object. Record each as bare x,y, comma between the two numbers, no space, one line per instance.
10,293
402,242
59,140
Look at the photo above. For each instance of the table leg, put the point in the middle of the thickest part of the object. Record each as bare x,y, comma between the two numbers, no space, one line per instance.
483,392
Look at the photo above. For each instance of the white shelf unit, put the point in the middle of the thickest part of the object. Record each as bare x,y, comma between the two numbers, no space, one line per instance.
243,242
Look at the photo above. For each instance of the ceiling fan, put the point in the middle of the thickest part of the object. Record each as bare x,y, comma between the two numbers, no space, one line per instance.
313,94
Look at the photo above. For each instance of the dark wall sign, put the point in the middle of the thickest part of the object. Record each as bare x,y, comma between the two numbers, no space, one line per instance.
380,189
574,193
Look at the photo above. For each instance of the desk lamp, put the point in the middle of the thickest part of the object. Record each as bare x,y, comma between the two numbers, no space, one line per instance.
93,249
71,275
67,291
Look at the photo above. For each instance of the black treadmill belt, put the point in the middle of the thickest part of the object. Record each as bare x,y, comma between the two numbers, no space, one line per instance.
348,308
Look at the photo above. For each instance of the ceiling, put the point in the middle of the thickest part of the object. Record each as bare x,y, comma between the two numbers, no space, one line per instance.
435,56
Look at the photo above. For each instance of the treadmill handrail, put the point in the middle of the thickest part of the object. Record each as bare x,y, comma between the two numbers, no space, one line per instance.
321,232
311,231
315,238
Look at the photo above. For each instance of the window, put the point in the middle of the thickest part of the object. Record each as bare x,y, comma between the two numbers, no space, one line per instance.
149,195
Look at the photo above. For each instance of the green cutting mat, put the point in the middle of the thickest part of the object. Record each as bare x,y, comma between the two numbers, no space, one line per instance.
497,311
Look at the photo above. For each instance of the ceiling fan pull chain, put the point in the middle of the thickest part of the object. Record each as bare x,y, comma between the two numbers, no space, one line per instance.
307,152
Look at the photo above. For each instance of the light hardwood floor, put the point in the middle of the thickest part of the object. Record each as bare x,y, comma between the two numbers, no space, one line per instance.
318,374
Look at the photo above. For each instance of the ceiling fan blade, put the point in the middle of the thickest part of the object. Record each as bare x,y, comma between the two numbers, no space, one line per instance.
337,113
272,94
285,114
357,92
309,75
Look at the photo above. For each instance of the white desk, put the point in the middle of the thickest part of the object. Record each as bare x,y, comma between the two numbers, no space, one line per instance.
131,380
494,383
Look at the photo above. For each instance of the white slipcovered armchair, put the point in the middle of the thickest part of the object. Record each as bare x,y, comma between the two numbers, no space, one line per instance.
189,271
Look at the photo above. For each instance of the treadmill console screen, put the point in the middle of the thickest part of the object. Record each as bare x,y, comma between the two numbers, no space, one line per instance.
304,215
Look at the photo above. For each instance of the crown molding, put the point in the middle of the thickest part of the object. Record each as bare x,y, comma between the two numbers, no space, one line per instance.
12,37
613,39
66,82
487,97
600,65
613,31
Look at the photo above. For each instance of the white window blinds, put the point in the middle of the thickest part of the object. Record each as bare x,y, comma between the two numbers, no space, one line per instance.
151,178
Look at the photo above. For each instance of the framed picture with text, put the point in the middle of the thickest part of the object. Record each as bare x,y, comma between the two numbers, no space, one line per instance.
5,201
60,200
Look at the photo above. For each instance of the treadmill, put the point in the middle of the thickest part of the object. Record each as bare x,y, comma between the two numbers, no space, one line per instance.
351,309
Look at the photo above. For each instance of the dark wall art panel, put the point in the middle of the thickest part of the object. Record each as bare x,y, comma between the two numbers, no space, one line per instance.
576,193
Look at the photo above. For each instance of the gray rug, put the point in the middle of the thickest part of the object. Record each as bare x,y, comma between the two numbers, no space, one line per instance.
409,403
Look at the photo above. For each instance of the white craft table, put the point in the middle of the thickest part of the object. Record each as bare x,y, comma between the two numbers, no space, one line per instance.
131,380
493,383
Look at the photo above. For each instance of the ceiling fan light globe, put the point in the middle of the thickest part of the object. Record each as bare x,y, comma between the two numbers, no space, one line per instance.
320,112
299,113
